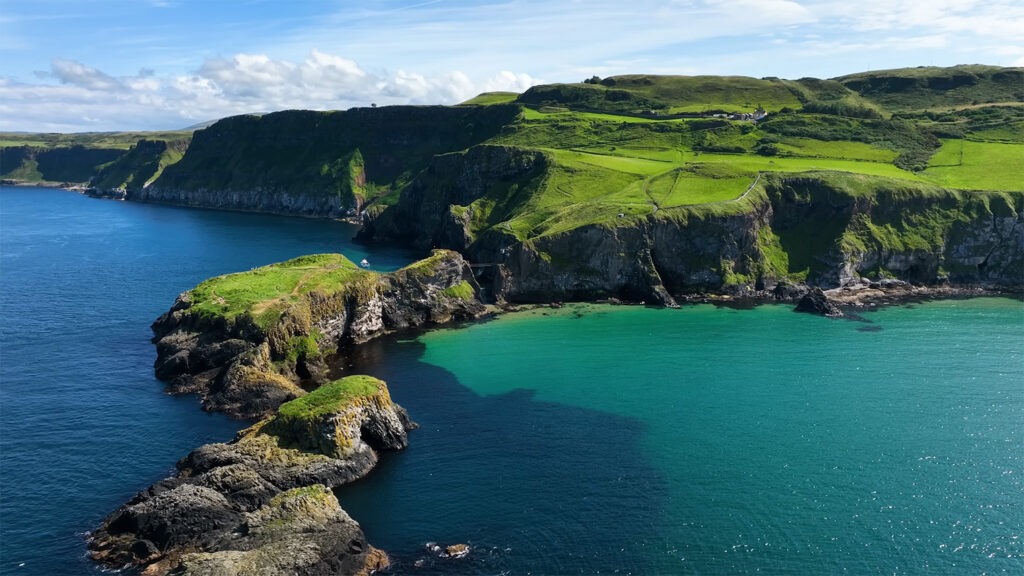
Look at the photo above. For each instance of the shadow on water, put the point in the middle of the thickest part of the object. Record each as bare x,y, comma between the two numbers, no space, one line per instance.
531,486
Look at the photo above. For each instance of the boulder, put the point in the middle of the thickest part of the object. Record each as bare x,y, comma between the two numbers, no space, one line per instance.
816,302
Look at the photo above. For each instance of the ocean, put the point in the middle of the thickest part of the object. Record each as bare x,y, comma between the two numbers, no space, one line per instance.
593,439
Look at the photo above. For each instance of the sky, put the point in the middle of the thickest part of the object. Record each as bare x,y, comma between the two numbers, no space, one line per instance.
102,65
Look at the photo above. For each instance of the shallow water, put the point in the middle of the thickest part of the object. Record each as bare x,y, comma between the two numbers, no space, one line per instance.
707,440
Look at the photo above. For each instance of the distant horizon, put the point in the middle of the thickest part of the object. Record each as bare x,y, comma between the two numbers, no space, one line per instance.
206,123
163,64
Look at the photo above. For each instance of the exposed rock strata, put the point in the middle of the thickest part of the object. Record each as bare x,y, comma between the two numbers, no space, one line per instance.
822,229
245,369
262,504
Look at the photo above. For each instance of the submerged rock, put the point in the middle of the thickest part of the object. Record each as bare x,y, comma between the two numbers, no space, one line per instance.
261,504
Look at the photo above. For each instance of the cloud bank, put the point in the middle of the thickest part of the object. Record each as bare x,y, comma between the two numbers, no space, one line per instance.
128,64
76,97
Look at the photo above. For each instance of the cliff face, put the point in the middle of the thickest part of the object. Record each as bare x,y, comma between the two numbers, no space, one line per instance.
71,164
424,218
825,229
318,163
248,361
915,234
262,503
136,169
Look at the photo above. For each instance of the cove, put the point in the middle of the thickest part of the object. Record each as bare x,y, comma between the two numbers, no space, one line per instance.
597,439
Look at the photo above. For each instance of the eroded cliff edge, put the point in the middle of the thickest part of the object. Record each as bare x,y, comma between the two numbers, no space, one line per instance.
825,229
262,503
247,342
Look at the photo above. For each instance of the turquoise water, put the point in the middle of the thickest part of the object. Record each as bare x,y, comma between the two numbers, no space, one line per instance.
592,439
83,422
709,440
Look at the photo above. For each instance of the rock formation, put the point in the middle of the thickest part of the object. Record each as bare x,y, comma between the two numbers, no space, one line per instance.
262,503
250,358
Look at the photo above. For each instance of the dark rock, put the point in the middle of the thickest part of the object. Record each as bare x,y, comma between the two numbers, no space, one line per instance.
188,515
815,302
787,291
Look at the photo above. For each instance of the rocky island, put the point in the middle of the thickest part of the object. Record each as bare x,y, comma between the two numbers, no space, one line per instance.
262,503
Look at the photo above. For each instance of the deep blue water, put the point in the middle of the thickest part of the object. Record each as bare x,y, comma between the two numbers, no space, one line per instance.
83,422
590,440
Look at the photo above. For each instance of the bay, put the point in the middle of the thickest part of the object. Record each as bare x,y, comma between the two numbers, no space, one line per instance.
601,439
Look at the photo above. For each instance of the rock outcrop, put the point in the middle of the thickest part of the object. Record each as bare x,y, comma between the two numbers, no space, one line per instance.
246,357
816,302
262,504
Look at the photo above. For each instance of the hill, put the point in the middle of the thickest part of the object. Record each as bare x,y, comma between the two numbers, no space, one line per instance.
646,186
928,87
68,158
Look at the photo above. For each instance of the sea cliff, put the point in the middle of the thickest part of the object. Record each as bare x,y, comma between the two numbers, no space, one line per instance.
248,342
825,229
322,164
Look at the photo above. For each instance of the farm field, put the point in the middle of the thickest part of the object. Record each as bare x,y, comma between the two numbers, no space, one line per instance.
978,165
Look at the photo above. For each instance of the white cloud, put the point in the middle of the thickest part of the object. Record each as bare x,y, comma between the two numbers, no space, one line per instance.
77,74
88,99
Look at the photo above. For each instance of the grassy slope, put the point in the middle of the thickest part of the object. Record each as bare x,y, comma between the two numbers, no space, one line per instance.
606,166
263,292
115,140
927,87
488,98
666,94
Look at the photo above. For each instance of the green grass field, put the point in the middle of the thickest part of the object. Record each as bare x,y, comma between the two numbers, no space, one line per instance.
835,149
264,291
978,165
488,98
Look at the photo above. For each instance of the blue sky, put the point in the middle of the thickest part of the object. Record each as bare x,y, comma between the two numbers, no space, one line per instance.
83,65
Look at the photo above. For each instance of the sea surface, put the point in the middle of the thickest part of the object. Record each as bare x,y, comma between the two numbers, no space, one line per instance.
586,440
83,422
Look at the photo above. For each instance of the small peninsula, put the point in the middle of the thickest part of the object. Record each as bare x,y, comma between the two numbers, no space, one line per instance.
262,503
248,342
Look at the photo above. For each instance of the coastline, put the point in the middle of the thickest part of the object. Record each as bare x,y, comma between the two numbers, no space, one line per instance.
852,300
79,187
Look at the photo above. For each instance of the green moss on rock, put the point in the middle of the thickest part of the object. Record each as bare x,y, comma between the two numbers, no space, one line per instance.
463,290
331,397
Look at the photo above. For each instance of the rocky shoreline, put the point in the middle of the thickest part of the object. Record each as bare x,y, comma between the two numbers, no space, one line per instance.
262,503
